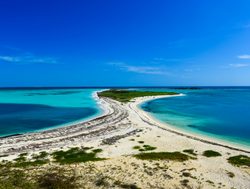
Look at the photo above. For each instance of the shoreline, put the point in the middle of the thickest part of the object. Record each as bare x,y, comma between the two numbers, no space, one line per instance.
191,135
110,108
116,134
100,106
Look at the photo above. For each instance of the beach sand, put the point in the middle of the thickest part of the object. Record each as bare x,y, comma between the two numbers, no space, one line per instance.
117,131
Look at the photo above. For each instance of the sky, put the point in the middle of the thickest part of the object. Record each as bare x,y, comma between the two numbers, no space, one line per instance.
124,43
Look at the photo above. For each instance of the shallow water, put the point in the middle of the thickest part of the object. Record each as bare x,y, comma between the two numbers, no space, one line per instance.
31,110
222,113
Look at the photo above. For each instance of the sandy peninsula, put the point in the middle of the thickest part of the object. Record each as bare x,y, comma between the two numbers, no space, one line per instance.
120,132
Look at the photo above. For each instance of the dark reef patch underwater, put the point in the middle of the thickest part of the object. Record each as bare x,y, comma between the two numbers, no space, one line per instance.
19,118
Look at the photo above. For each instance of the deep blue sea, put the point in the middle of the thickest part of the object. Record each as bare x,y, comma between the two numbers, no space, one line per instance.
37,109
219,112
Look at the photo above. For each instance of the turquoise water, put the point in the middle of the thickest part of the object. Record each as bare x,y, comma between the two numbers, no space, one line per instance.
222,113
31,110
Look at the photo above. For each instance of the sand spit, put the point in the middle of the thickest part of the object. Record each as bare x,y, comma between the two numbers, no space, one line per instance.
124,126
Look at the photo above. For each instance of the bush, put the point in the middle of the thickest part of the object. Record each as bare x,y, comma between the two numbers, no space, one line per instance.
211,153
240,160
190,151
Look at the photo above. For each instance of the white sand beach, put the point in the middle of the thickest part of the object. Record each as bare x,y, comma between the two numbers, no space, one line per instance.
117,131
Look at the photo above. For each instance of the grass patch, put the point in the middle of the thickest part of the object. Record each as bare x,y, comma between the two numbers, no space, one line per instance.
75,155
148,147
97,150
175,156
240,160
30,163
211,153
11,178
22,160
126,96
136,147
144,148
190,151
42,155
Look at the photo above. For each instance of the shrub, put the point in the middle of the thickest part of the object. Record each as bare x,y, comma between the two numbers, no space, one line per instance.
211,153
136,147
190,151
240,160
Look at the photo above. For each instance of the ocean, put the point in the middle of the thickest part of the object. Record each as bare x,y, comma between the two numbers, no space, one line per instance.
29,110
218,112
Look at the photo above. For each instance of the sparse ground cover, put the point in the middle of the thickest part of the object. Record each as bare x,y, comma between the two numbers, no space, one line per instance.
73,155
81,170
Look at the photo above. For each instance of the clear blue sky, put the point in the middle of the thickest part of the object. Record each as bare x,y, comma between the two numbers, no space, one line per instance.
124,42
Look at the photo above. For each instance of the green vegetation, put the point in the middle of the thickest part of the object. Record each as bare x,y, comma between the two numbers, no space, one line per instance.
144,148
52,179
22,160
11,179
136,147
57,180
175,156
41,155
97,150
30,163
190,151
126,96
21,173
211,153
75,155
148,148
240,160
